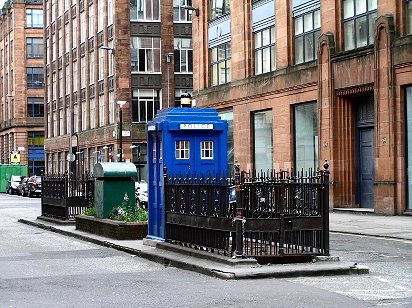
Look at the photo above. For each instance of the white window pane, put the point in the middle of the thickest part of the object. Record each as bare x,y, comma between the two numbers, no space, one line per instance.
299,50
258,39
308,24
309,48
348,9
360,7
371,36
228,71
266,60
273,35
408,19
266,37
298,25
372,5
258,62
349,35
361,32
316,19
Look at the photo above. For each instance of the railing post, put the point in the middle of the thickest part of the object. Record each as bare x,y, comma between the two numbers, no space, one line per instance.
326,207
239,219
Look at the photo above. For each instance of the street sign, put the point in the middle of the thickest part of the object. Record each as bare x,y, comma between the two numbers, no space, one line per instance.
71,157
15,158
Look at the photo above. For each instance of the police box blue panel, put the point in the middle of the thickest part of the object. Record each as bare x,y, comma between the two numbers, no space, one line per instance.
194,140
187,141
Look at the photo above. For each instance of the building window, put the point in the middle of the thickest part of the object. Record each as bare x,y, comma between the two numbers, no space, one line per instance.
179,13
218,8
206,150
145,10
408,16
358,22
35,77
263,140
145,104
182,149
145,54
220,64
306,136
307,31
265,51
34,18
183,55
35,107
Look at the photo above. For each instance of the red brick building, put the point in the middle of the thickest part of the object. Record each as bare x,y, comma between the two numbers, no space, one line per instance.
21,84
302,81
101,53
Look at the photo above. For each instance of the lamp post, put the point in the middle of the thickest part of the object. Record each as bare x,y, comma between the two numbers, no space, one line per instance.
121,103
168,60
197,13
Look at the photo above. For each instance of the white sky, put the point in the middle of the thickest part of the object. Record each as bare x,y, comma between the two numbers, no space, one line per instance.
2,3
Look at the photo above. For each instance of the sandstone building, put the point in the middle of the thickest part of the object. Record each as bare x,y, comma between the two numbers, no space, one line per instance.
104,54
302,81
21,84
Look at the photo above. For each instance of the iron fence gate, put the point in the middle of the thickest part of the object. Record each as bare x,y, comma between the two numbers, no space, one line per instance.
64,197
274,214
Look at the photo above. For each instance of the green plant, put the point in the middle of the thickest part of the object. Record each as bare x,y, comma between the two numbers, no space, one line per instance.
90,211
128,213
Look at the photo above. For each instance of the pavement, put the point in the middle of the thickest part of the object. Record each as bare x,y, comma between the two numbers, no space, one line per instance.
360,223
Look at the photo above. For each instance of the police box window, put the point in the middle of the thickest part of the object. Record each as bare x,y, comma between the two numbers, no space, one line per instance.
206,150
182,149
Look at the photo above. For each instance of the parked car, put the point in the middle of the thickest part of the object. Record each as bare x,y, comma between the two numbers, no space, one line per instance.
12,184
22,184
33,186
141,194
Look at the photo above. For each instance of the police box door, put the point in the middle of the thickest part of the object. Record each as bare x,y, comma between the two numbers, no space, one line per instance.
195,154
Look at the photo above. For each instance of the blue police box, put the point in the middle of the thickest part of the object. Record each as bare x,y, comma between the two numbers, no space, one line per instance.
188,142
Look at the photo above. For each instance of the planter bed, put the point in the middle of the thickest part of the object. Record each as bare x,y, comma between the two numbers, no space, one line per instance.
118,230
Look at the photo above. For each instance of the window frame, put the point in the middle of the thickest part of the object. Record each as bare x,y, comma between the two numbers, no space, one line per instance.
142,102
207,150
31,16
181,65
214,8
408,17
312,34
182,147
150,59
356,17
31,103
215,63
262,48
180,14
31,80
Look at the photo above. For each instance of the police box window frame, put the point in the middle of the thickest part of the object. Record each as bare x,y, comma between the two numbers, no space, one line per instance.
206,150
182,149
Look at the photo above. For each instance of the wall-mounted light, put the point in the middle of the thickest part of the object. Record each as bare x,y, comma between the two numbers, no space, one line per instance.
191,8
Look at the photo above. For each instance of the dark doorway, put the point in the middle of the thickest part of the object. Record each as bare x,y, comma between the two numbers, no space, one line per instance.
364,152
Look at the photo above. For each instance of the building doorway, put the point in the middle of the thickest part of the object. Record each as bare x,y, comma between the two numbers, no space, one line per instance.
364,152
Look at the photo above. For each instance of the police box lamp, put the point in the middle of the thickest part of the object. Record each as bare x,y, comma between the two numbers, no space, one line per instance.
185,100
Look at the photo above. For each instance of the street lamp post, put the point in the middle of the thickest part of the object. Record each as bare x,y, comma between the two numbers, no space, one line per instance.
168,60
121,103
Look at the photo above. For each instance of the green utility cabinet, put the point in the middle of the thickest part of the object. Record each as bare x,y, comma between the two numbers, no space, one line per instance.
114,186
8,170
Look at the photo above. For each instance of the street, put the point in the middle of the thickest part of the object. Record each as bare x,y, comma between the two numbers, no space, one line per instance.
39,268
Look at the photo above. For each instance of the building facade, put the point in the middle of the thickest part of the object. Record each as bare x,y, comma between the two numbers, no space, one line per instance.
21,85
303,81
110,62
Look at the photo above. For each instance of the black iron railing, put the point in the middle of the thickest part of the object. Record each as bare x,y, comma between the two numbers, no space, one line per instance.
64,197
274,214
